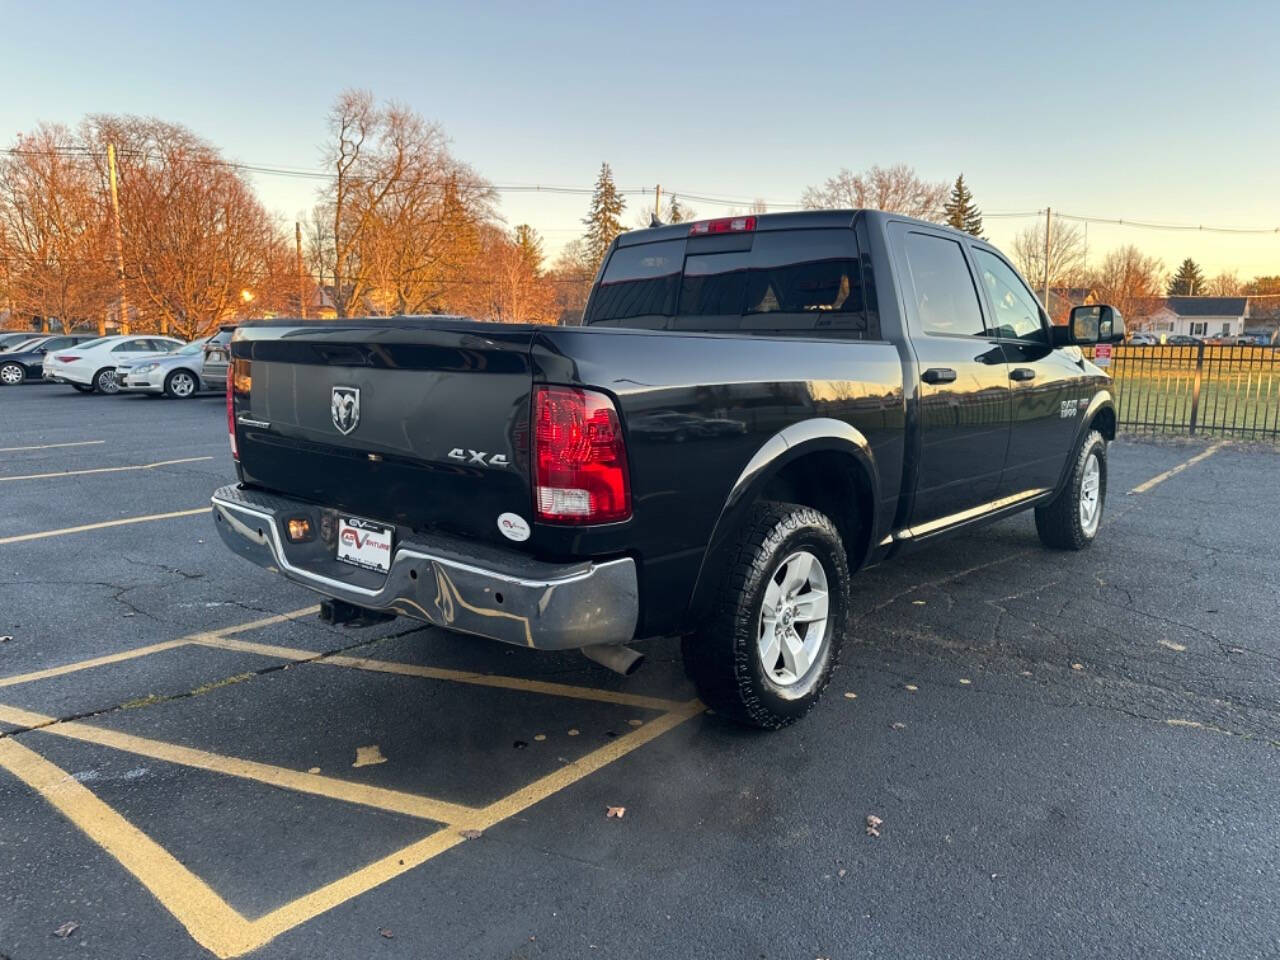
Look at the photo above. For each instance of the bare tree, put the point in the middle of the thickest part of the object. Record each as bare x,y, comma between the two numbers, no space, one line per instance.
398,225
895,188
505,285
1225,284
1128,280
198,246
52,231
1066,255
571,276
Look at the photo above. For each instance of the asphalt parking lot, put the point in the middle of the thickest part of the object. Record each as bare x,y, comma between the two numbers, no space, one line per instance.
1072,755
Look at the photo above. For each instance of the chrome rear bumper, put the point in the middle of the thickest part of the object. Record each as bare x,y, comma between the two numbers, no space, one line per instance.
450,583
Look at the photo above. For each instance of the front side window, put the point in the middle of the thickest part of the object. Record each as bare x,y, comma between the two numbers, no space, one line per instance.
1017,314
945,297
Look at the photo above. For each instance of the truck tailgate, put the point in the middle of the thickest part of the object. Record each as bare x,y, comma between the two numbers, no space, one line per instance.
420,422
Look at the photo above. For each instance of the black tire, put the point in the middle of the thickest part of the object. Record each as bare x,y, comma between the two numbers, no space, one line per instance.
1060,523
173,385
104,381
12,374
723,658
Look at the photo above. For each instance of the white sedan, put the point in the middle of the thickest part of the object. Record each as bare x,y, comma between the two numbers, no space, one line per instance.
92,366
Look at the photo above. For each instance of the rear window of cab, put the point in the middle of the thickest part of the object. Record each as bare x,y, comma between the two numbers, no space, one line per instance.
807,282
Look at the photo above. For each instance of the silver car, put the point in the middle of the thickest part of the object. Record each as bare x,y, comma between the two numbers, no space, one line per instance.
176,374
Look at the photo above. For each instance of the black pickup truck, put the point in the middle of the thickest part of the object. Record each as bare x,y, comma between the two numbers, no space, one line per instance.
752,409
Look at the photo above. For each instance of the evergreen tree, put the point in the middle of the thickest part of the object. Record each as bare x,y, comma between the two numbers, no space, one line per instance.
603,221
961,212
530,245
677,213
1188,281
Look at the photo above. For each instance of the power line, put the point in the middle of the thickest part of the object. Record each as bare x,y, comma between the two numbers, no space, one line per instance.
566,190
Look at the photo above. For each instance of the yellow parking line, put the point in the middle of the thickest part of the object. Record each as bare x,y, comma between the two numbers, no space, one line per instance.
79,473
394,801
210,921
439,673
85,527
87,664
1162,477
285,918
202,637
51,446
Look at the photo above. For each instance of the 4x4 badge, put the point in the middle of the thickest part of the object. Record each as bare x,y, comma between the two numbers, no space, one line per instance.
345,408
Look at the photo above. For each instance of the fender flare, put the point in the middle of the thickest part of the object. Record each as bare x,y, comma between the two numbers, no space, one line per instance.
815,435
1102,400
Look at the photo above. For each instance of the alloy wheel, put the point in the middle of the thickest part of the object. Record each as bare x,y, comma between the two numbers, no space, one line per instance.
793,618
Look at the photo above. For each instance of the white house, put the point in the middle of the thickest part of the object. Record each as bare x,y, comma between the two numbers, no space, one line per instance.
1199,316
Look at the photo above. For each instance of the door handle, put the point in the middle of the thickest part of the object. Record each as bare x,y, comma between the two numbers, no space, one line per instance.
1022,373
939,375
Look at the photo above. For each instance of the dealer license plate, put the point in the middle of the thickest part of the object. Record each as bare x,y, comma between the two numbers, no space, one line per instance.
364,543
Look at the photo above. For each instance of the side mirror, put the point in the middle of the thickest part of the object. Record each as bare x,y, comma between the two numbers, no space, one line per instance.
1096,324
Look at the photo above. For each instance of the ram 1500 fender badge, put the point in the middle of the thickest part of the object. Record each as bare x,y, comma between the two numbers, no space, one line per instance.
479,457
513,526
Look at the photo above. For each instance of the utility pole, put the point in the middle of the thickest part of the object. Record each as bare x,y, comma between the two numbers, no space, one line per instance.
302,286
1048,229
657,206
115,208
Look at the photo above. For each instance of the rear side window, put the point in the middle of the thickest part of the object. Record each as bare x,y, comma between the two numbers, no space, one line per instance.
788,281
946,299
639,281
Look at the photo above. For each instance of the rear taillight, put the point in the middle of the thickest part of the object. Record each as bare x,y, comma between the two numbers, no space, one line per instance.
579,458
723,225
66,358
239,381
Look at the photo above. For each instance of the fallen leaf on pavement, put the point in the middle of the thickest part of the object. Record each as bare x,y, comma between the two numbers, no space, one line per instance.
66,930
898,726
873,825
1077,666
369,756
850,695
470,834
910,687
386,933
841,872
615,813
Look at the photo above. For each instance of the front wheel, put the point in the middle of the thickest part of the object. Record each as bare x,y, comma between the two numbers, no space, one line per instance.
12,374
771,642
104,381
1071,519
180,384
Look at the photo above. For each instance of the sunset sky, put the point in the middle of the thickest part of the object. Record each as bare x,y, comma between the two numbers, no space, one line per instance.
1160,112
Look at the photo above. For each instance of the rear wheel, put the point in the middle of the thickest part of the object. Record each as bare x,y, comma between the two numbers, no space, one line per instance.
180,384
104,381
12,374
1071,520
767,651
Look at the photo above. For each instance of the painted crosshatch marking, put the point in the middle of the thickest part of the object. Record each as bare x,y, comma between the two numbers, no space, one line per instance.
206,916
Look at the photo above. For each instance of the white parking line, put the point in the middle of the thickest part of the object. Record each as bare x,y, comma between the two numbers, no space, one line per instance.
51,446
77,473
22,537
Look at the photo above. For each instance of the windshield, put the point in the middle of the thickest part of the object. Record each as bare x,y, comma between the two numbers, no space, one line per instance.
25,344
92,343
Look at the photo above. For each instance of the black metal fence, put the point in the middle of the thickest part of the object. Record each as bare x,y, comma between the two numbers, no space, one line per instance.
1201,389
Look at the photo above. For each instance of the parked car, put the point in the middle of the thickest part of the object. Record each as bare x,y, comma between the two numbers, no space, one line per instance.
1143,340
1182,340
217,353
26,360
895,381
175,374
92,366
11,338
